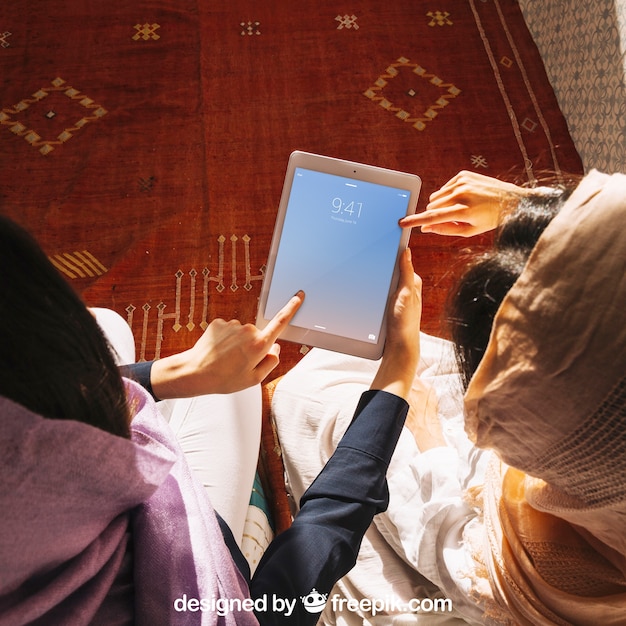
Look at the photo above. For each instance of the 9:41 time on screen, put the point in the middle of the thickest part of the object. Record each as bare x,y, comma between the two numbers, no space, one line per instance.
348,208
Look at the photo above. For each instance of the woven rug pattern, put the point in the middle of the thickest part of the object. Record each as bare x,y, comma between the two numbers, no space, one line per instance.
144,142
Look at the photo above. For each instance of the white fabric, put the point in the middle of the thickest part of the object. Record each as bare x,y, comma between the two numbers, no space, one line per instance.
419,540
220,436
118,332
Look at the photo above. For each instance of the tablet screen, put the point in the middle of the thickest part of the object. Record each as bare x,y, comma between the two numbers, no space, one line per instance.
339,243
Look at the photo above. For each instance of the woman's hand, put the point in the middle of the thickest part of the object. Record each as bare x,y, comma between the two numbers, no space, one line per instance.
468,204
228,357
423,418
402,348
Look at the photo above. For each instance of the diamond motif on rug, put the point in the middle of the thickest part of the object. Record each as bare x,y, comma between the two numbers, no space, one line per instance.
392,87
21,118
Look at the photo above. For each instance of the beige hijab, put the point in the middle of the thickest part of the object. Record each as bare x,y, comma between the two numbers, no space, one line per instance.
550,398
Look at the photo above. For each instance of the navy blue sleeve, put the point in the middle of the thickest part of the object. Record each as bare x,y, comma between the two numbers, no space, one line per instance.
304,562
139,372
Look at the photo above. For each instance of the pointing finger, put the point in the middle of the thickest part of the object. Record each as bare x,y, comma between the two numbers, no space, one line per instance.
433,216
281,320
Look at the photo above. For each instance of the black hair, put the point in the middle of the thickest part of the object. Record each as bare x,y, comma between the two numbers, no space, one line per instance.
489,276
54,359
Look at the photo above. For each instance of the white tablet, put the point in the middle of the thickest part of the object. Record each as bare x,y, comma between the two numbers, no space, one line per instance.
337,238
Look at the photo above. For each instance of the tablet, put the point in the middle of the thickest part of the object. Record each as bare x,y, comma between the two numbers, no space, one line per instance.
337,238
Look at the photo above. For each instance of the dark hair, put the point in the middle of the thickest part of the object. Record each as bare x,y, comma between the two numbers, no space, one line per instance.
54,359
489,277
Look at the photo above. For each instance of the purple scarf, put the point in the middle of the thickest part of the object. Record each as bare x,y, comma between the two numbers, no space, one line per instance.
99,529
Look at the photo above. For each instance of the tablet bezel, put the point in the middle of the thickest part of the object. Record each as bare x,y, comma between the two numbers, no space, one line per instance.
350,170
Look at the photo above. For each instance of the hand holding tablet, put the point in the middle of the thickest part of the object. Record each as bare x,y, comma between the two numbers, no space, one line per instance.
337,239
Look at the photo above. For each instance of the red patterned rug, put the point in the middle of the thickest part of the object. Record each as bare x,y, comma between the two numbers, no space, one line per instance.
144,143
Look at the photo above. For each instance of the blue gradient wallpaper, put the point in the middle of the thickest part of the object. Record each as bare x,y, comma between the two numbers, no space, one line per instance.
339,244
